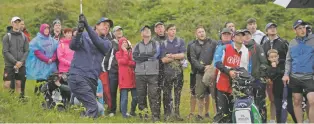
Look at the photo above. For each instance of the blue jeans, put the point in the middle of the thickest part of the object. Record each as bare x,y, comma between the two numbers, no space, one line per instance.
124,100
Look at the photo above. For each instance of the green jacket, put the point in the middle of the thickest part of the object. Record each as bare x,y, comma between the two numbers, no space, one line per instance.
258,59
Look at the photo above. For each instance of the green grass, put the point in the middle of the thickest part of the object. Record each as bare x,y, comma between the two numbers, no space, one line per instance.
13,111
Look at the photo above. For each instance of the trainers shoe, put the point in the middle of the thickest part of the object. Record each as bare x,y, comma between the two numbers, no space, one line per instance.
190,116
166,118
111,114
133,114
178,118
306,121
140,115
127,115
199,118
146,117
156,120
207,115
82,114
272,121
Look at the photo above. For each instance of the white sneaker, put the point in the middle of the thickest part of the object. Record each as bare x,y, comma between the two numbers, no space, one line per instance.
272,121
111,114
127,114
306,121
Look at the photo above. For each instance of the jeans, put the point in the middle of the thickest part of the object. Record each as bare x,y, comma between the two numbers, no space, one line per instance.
124,100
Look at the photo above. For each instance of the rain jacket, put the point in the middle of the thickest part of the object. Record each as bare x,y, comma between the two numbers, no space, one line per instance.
90,50
258,60
15,49
65,55
126,67
41,49
300,57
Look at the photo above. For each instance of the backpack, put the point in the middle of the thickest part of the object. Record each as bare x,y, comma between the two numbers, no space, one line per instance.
24,37
178,43
10,37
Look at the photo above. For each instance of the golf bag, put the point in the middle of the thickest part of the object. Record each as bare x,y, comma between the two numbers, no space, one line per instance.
244,109
54,96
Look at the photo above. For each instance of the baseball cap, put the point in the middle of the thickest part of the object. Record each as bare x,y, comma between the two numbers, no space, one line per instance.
146,26
239,32
15,18
116,28
226,30
104,19
298,22
270,24
159,23
246,30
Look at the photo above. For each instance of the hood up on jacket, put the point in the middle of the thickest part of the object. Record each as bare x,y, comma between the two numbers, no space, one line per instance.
121,42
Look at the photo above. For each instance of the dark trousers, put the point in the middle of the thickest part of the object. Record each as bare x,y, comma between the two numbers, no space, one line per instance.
148,85
278,94
259,99
84,89
124,100
113,82
224,102
176,83
23,83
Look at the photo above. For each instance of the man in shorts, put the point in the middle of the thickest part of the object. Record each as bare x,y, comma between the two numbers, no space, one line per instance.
201,54
299,70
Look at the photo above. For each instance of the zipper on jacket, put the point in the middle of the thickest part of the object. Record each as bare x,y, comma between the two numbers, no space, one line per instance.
17,47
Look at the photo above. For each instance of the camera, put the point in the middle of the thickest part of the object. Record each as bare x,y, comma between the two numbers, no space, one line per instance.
128,48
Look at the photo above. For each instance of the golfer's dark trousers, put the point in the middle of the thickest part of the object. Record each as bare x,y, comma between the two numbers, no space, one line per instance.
113,83
148,85
278,94
84,89
259,93
172,82
224,103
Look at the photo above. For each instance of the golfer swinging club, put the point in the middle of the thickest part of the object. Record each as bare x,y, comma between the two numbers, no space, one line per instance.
86,64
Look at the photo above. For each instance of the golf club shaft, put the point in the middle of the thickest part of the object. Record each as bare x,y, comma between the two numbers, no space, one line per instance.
81,6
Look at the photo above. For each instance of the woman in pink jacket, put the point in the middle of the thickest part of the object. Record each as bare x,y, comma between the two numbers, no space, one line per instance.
65,54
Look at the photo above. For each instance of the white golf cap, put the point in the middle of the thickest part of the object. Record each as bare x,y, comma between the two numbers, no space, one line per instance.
117,28
15,18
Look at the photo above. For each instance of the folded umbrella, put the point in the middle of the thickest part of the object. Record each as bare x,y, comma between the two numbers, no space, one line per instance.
284,105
